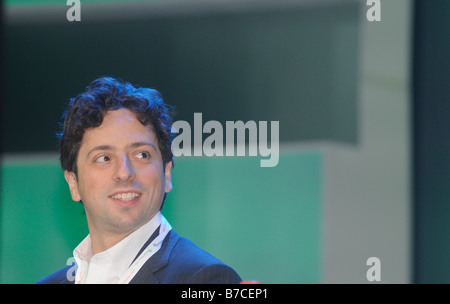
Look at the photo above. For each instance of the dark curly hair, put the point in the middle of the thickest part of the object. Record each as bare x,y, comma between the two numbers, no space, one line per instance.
104,94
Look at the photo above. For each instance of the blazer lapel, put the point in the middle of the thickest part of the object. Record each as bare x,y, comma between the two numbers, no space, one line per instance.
150,239
159,260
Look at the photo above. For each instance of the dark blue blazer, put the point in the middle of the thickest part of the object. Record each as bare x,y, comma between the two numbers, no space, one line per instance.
178,261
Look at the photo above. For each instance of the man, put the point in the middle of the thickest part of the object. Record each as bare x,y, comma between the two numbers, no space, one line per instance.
117,160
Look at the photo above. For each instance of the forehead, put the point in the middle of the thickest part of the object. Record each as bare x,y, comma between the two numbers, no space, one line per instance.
118,127
119,116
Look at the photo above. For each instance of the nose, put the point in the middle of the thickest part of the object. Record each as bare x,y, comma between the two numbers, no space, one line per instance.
124,169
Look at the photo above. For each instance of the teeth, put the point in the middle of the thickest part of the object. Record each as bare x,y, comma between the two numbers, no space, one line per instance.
125,196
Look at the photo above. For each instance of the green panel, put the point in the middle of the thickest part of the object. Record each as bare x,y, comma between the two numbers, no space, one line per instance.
264,222
40,224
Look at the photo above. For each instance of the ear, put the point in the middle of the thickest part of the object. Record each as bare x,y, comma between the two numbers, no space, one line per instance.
71,180
168,177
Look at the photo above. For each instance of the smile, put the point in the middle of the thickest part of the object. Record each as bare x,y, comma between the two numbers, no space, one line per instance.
125,196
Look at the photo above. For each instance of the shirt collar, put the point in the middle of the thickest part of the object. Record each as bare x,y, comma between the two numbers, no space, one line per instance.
123,253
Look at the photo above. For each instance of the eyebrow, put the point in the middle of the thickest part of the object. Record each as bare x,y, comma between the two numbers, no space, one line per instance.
142,143
111,148
99,148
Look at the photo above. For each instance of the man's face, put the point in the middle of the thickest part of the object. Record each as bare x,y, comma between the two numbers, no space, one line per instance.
121,179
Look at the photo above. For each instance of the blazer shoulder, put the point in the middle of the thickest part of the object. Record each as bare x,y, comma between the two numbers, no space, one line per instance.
185,251
58,277
191,264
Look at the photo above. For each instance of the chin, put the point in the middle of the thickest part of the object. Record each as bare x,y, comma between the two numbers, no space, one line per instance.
128,225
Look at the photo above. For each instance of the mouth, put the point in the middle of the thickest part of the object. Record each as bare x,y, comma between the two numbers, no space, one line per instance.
125,196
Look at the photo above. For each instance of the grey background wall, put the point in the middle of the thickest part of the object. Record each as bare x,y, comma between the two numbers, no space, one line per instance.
368,209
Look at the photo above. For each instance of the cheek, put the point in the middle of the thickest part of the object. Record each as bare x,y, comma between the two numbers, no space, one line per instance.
91,186
151,178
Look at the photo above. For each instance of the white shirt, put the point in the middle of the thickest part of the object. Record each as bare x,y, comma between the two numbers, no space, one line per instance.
108,266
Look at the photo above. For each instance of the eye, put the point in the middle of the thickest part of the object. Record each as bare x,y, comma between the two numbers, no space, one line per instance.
102,159
143,155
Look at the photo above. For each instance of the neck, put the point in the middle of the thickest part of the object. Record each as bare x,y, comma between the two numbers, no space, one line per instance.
104,241
103,238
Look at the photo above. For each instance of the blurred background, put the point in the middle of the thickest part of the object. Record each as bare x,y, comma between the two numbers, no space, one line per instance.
362,106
